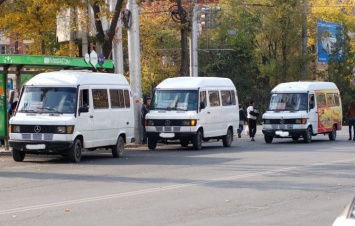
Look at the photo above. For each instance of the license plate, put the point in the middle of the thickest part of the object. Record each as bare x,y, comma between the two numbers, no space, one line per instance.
35,146
282,133
167,135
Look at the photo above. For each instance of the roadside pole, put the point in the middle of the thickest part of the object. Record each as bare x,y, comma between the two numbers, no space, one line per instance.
135,67
193,42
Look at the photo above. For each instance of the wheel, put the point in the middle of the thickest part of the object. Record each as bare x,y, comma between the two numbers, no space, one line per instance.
74,153
184,142
308,136
268,139
117,150
228,138
333,134
197,141
295,138
18,155
152,144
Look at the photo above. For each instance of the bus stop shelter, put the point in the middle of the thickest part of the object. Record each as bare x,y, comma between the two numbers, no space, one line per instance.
25,67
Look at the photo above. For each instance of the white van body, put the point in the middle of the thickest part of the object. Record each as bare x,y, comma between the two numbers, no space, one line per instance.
174,116
62,112
303,109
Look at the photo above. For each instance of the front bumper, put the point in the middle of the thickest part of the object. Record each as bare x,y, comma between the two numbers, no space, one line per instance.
278,132
28,146
159,137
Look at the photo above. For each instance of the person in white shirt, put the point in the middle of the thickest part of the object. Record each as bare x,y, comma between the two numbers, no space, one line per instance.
252,115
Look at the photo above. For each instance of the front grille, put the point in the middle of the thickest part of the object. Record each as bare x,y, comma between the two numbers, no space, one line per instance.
167,122
37,136
280,121
168,128
31,129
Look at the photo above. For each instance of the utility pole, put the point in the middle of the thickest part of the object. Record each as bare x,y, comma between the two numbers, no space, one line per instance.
135,68
184,27
117,44
304,41
193,43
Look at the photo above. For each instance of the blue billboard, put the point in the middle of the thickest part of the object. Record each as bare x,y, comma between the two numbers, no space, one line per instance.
330,40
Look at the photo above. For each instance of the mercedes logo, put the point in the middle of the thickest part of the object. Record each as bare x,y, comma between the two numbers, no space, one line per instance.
37,129
167,122
282,121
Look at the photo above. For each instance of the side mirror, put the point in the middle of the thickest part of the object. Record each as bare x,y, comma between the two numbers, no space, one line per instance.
83,109
202,105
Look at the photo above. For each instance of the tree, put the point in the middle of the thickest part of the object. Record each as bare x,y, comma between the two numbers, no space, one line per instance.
159,35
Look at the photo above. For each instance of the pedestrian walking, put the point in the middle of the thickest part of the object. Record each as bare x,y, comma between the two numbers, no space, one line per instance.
252,115
144,111
242,119
351,120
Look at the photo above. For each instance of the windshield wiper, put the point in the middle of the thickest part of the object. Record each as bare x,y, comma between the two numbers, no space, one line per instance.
49,109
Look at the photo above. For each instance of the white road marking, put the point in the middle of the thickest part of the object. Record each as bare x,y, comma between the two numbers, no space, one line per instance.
165,188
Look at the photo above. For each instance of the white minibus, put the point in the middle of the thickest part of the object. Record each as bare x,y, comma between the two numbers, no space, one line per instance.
191,110
303,109
65,112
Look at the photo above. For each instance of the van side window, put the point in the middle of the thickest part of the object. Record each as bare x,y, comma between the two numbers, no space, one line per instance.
114,98
226,98
331,99
126,99
120,98
337,99
100,98
203,97
234,101
84,98
213,98
321,102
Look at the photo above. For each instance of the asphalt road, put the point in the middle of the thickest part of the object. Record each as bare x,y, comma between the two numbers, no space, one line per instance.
251,183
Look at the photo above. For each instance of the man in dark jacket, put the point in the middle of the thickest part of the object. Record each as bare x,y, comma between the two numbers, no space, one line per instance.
242,119
144,111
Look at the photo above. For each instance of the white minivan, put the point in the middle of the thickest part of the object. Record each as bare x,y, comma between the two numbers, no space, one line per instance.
303,109
64,112
191,110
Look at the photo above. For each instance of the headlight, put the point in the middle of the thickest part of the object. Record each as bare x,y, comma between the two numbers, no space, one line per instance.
61,129
15,129
266,121
301,121
65,129
191,122
150,123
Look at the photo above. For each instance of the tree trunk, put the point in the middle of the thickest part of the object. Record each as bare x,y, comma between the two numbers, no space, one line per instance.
106,39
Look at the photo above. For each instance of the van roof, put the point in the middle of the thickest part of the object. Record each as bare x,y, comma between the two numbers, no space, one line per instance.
303,86
194,82
69,78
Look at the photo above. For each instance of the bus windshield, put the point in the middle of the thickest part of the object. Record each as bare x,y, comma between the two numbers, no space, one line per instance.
175,100
288,102
48,100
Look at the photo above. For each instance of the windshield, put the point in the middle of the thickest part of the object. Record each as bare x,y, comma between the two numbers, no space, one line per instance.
175,100
288,102
48,100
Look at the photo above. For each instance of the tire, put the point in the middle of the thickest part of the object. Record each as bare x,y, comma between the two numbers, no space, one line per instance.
18,155
295,138
117,150
74,153
308,136
197,141
228,138
152,144
333,134
184,142
268,139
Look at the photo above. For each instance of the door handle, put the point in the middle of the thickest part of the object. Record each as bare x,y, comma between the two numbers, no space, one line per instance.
208,112
91,116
